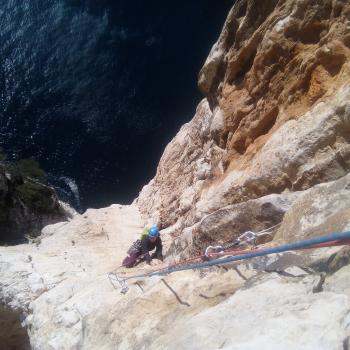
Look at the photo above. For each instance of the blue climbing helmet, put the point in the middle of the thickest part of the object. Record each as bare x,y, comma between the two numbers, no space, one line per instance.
153,231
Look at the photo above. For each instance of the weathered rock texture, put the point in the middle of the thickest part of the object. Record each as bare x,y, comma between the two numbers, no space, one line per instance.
56,285
26,206
325,207
268,145
60,291
276,116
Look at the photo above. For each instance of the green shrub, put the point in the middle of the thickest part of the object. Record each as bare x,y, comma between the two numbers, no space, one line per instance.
36,196
31,168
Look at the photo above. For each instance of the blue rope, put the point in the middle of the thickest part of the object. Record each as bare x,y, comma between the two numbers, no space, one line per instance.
283,248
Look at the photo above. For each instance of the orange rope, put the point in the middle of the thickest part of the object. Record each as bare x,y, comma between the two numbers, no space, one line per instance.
244,251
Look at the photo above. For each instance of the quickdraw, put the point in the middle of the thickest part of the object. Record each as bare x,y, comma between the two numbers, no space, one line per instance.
114,278
248,237
335,239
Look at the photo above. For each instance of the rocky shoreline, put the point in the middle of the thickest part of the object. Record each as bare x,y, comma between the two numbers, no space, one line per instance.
268,145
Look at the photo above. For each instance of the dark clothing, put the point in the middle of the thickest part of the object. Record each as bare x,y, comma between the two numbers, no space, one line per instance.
140,249
132,260
147,245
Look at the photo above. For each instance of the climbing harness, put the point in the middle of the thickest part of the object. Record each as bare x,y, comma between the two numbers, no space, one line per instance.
335,239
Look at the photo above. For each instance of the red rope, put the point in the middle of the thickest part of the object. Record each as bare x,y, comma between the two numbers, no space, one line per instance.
244,251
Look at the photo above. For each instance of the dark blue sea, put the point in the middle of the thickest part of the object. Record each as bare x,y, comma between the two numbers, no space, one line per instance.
95,89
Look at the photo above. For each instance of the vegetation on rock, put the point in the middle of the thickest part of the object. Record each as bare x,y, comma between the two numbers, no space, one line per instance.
27,203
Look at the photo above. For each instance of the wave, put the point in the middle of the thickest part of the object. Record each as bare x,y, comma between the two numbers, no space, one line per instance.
67,190
73,187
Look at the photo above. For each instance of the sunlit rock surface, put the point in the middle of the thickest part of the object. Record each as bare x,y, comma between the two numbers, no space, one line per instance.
268,146
60,291
277,82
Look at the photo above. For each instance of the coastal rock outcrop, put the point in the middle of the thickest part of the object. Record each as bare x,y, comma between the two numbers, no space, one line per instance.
267,147
26,206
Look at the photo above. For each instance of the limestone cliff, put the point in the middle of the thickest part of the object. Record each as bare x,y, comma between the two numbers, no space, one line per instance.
59,290
268,145
276,117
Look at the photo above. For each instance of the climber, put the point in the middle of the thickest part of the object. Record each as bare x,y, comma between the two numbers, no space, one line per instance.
139,251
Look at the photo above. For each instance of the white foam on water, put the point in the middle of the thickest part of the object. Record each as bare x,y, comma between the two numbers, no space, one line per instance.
72,186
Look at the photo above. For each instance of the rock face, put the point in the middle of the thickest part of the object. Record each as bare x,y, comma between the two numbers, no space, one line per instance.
325,207
60,291
26,206
267,147
276,116
243,322
56,284
227,223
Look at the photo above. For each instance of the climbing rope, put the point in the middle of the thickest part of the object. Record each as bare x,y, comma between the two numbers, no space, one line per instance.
340,238
221,249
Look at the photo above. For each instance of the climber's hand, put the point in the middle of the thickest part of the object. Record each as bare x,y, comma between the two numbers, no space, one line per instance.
155,262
